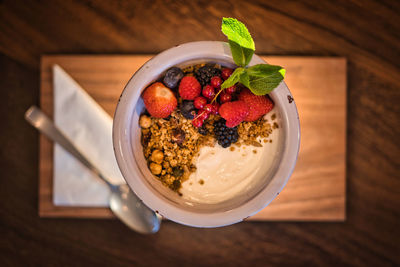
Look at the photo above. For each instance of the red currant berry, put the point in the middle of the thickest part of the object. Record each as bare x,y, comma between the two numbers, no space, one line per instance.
216,82
197,122
208,108
204,115
231,90
226,73
215,108
208,92
200,102
225,97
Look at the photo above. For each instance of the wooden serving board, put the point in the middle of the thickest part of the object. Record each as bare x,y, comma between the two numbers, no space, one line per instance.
317,189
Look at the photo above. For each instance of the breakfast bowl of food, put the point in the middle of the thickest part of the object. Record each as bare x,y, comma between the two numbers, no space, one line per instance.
207,133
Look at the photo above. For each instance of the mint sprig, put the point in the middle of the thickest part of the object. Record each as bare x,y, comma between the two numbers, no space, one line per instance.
261,79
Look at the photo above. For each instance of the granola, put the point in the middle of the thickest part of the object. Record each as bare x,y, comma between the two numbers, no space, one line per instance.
171,146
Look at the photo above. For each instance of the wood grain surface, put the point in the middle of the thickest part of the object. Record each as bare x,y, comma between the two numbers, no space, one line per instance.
367,33
316,190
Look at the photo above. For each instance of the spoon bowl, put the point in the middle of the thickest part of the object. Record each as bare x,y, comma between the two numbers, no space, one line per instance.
127,206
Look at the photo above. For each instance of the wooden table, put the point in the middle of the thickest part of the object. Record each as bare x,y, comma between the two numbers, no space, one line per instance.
365,32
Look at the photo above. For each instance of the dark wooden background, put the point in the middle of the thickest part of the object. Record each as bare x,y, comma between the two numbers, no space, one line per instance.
366,32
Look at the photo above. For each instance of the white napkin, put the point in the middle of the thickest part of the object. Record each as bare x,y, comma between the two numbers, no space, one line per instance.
89,127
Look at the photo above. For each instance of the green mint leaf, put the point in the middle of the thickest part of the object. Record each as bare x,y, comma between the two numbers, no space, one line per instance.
244,79
233,79
240,41
261,79
241,55
237,32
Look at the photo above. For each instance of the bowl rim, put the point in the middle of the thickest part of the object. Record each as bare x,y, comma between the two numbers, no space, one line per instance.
122,124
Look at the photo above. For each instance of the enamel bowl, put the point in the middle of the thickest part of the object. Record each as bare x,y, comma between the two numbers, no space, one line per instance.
131,161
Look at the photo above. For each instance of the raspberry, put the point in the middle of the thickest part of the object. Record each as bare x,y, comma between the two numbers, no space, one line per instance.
208,92
200,102
216,82
189,88
258,105
159,100
234,112
226,73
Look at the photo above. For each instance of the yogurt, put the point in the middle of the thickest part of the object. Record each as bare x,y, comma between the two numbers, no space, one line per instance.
223,174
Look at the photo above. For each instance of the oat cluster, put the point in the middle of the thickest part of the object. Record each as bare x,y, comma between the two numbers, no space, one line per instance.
171,146
250,133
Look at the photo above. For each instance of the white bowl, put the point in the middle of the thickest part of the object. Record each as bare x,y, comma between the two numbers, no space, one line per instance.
131,161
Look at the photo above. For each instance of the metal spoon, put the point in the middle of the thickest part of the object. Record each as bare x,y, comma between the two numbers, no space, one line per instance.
123,202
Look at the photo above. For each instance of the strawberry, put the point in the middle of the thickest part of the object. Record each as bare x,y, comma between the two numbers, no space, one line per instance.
234,112
189,88
159,100
259,105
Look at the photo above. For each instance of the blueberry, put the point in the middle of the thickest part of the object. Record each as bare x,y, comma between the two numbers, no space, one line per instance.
202,130
172,77
189,115
187,109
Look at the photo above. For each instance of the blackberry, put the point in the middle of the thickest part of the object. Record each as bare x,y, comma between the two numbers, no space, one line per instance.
205,73
225,135
187,109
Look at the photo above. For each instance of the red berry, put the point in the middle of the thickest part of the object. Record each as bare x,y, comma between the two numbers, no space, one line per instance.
231,90
200,102
215,108
216,82
159,100
204,115
209,92
225,97
226,73
208,108
189,88
259,105
197,122
234,112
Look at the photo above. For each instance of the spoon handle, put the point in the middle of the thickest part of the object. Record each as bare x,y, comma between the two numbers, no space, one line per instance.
46,126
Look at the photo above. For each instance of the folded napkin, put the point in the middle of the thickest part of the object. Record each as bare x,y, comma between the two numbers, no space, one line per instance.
89,128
